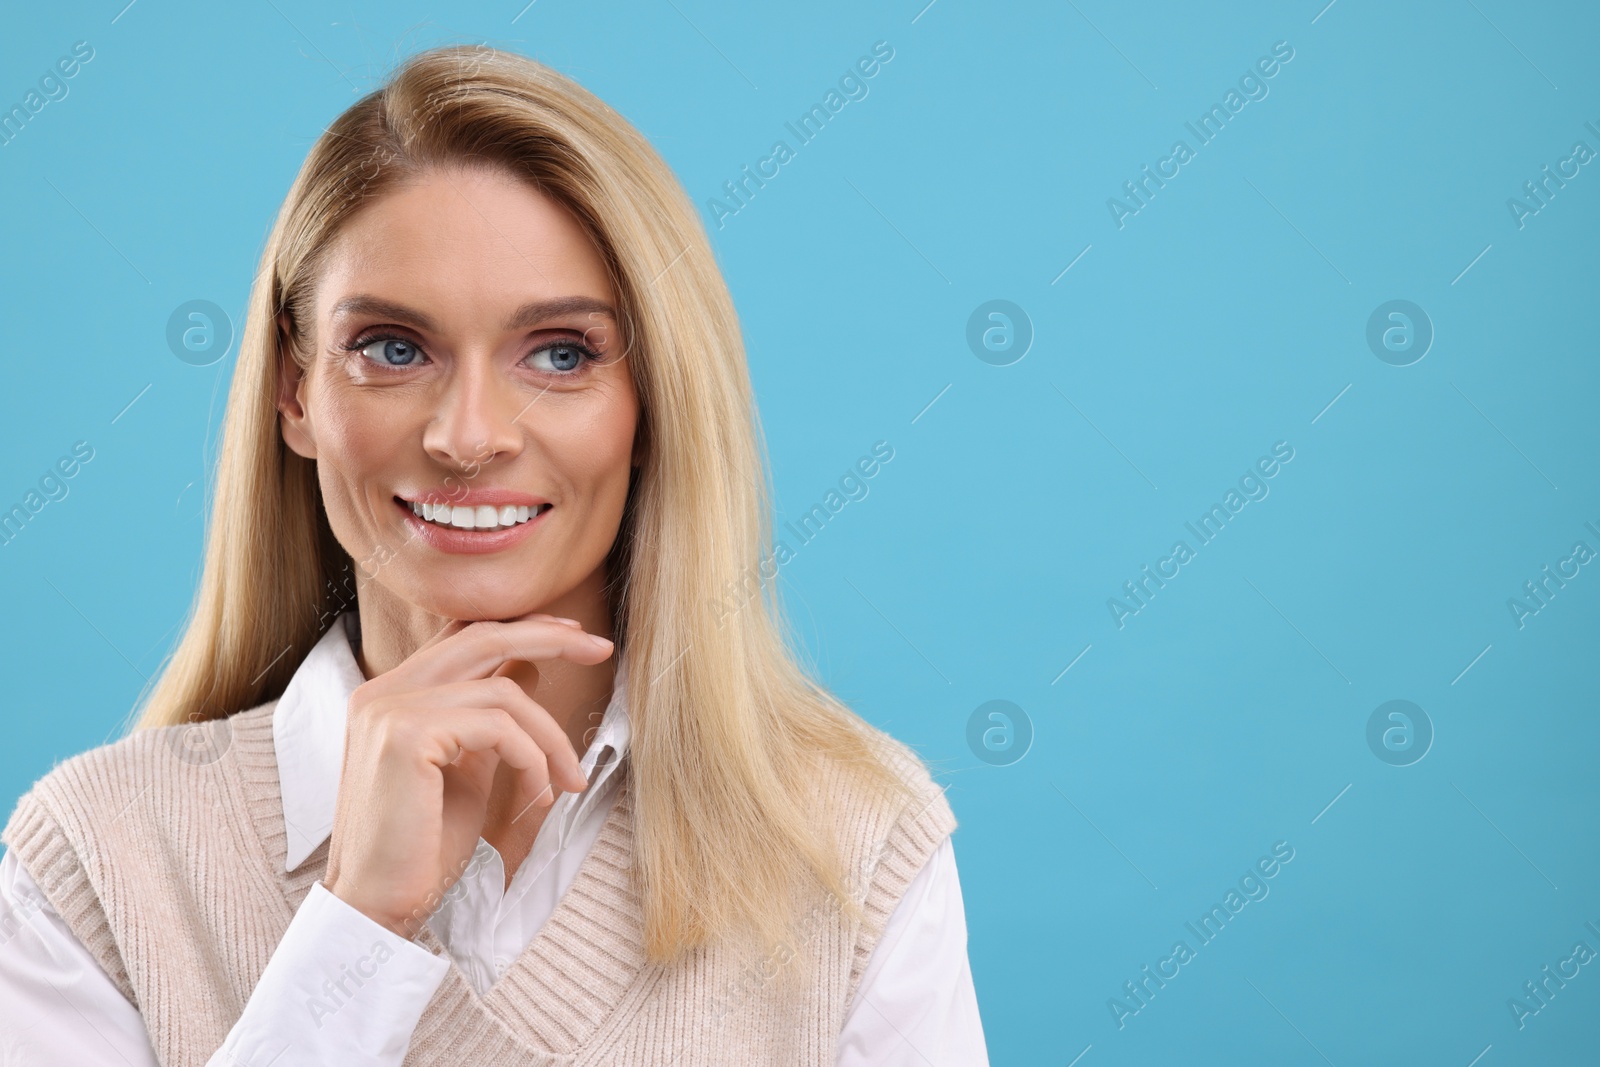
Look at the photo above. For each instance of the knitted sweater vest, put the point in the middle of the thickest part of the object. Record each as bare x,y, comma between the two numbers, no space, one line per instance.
164,853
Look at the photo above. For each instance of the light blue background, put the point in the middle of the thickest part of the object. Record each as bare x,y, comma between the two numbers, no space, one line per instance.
1231,712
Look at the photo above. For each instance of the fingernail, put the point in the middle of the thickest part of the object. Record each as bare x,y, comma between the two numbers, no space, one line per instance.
601,640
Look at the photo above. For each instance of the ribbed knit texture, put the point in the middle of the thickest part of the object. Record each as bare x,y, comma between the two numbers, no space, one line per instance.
164,854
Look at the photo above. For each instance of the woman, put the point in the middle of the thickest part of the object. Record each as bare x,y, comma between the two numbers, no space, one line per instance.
490,453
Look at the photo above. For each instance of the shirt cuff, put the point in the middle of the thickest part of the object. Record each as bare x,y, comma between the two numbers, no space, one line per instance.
340,988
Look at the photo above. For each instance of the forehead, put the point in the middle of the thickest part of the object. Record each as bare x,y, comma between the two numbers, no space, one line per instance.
467,246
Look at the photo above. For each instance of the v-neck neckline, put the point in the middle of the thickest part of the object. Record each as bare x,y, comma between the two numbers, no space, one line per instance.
576,969
577,972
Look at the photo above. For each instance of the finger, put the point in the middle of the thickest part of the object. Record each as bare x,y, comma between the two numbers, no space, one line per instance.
455,626
450,628
527,670
479,648
530,716
562,758
483,730
536,782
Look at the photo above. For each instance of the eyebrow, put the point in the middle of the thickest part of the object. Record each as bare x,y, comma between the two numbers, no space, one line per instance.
529,314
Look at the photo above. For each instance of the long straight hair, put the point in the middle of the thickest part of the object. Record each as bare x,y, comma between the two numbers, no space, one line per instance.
729,731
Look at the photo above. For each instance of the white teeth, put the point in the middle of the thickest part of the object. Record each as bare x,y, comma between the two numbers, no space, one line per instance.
482,517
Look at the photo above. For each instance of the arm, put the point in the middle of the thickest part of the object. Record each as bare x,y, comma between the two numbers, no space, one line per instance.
916,1006
338,989
57,1006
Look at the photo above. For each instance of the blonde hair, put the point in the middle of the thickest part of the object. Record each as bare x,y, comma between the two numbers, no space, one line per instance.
729,733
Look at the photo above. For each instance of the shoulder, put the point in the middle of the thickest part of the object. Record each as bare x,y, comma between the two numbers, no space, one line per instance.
91,823
77,811
919,807
886,837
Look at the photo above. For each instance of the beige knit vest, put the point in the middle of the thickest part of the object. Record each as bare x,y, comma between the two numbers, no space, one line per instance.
164,853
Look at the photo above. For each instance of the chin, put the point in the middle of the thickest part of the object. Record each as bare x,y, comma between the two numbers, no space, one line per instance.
475,601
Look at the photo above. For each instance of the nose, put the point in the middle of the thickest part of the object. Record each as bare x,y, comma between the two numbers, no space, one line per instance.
476,420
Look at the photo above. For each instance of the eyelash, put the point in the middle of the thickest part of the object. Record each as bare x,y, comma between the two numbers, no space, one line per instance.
364,340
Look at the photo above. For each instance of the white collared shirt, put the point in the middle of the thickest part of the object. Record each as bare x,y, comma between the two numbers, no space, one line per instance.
915,1005
483,923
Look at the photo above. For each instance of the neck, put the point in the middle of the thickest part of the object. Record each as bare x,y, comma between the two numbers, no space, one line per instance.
575,695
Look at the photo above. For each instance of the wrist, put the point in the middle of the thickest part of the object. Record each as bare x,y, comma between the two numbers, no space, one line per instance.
405,928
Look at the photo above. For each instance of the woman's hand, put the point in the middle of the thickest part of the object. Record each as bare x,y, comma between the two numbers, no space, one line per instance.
422,744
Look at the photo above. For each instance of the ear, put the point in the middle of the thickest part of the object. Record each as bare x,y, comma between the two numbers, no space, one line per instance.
293,421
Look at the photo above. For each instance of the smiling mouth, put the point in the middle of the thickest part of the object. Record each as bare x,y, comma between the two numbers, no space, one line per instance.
483,517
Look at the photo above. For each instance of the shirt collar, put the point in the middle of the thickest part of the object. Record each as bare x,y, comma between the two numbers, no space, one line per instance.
308,728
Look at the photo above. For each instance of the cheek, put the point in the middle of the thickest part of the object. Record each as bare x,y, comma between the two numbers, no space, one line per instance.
597,462
352,446
594,454
596,444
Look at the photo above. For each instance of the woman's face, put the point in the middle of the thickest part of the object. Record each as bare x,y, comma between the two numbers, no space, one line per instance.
449,369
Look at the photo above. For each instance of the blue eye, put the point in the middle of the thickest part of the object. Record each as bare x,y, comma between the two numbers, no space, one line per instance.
559,358
566,357
394,352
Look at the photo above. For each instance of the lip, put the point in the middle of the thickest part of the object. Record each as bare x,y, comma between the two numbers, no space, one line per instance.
473,542
497,498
